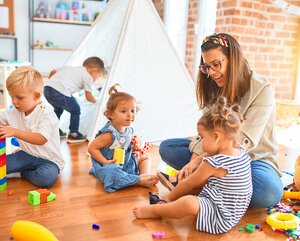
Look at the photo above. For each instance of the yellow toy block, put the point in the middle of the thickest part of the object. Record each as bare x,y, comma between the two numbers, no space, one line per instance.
119,156
2,171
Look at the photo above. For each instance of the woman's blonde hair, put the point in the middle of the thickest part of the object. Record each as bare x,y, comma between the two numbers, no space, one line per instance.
223,117
25,77
115,98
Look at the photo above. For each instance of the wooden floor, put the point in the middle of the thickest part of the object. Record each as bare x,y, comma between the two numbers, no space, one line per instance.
81,202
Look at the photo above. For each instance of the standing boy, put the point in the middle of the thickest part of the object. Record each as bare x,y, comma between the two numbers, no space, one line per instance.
66,81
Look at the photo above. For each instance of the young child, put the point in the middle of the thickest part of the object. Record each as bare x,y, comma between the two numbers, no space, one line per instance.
222,183
35,125
66,81
117,133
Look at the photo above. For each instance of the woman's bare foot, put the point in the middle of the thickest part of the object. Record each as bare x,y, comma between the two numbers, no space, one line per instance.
144,212
147,180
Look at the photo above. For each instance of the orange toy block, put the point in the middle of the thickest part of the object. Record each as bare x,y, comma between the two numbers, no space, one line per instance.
44,193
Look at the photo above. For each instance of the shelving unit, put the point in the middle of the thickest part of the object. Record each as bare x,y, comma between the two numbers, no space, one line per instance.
14,38
64,34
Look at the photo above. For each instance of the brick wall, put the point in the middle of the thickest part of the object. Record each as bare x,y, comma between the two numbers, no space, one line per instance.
159,5
269,38
191,38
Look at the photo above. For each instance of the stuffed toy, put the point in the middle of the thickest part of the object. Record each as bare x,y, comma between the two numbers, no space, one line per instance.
139,147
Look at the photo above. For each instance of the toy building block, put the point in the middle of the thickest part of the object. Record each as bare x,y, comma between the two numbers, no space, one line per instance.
3,183
2,171
34,198
43,195
119,156
250,228
291,195
40,196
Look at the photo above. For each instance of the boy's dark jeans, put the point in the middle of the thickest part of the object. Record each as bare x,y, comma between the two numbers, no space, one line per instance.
60,103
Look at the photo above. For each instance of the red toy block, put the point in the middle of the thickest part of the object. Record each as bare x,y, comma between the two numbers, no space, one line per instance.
2,160
44,193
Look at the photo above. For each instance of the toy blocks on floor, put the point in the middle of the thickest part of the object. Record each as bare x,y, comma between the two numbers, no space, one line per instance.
40,196
3,183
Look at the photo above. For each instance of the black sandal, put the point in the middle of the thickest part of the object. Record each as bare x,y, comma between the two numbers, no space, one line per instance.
154,199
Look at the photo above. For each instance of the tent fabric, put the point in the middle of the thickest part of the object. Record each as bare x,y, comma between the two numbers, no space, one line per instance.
130,37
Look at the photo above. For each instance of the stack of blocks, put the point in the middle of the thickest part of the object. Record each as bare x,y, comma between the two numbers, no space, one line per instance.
2,164
40,196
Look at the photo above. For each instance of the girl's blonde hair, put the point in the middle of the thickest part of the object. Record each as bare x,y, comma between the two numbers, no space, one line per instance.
26,77
223,117
115,98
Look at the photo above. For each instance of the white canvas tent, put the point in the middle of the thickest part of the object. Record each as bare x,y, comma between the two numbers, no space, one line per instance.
130,38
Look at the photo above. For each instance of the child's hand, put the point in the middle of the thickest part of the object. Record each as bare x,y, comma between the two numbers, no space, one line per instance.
6,131
111,161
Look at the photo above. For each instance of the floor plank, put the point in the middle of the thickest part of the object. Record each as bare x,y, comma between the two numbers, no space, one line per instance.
82,201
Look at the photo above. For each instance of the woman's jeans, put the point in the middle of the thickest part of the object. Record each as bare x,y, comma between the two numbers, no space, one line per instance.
60,103
267,185
37,171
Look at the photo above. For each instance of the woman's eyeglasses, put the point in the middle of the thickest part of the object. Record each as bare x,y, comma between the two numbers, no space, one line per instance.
215,66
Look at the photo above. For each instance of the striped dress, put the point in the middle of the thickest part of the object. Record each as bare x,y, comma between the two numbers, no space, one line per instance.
223,201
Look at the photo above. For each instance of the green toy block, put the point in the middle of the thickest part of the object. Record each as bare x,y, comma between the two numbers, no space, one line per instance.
51,197
3,186
2,150
250,228
34,198
241,229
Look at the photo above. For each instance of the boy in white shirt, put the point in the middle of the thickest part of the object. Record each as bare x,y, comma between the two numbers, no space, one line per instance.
66,81
35,125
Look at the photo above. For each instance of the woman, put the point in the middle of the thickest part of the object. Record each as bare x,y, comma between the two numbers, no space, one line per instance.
225,72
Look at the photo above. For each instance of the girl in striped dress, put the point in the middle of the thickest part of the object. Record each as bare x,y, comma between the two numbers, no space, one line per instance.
218,193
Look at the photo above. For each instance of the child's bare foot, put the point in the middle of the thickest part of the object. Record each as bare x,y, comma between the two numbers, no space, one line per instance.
144,212
148,180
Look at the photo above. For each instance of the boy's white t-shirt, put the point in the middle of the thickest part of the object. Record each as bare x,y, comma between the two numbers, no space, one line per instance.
69,80
42,120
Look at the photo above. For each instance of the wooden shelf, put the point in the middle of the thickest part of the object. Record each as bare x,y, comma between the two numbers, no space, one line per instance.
8,36
53,20
52,48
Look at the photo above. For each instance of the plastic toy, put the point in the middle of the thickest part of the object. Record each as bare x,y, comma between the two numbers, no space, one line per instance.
291,195
3,183
119,156
42,10
160,234
139,147
165,168
283,221
14,141
250,228
26,230
95,226
40,196
297,173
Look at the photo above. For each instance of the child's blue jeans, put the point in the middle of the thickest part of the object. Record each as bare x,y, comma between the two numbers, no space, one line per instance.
60,103
37,171
267,185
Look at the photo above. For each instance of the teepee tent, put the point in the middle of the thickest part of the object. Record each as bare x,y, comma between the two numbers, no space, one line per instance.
130,38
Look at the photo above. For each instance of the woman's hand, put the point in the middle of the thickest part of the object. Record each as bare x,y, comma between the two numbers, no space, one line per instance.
189,168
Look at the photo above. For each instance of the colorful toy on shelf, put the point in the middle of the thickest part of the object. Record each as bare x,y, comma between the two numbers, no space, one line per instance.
43,10
62,10
283,221
40,196
49,43
26,230
291,195
297,173
38,44
3,183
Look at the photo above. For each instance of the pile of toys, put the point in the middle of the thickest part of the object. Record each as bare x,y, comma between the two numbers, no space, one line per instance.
68,10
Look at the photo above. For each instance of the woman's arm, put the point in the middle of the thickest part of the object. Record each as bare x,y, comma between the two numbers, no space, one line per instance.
257,117
101,141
